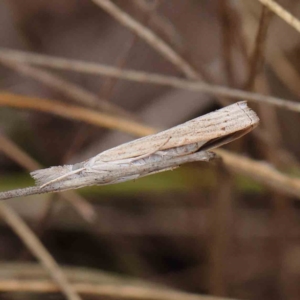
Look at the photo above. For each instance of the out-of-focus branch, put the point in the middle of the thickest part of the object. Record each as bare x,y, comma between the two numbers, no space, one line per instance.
71,90
150,37
282,13
75,113
161,24
144,77
35,246
262,172
257,57
88,282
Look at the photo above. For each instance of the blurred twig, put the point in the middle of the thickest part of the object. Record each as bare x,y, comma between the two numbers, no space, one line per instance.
282,205
256,60
262,172
122,58
144,77
35,246
105,290
65,87
282,13
91,283
74,112
285,70
16,154
220,235
226,41
161,24
150,37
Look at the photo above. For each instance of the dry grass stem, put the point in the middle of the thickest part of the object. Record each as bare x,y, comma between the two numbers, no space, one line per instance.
227,44
282,65
39,251
17,154
66,88
256,61
161,24
144,77
221,231
262,172
282,13
104,290
75,113
88,282
110,82
148,36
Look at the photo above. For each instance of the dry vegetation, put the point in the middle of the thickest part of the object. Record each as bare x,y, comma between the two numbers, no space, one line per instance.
78,77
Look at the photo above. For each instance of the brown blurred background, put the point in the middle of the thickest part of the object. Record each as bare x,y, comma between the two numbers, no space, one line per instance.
201,229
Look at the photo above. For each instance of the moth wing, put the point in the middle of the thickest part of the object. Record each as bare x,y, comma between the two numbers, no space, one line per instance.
222,122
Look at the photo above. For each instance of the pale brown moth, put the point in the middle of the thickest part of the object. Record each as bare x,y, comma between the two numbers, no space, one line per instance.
155,153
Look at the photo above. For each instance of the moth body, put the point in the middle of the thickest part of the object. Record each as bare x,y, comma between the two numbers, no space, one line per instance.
144,156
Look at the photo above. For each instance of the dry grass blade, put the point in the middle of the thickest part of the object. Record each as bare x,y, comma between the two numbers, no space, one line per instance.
282,65
35,246
282,13
88,282
110,82
66,88
75,113
261,172
221,230
226,41
151,38
256,60
160,24
17,154
144,77
104,290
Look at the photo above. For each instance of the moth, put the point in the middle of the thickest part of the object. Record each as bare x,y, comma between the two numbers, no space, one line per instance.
166,150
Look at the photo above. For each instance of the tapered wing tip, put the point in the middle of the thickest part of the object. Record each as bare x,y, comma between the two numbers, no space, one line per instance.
249,112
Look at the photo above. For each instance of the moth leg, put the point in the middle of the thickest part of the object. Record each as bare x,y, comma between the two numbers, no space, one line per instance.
181,150
160,171
122,179
207,156
137,176
62,177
